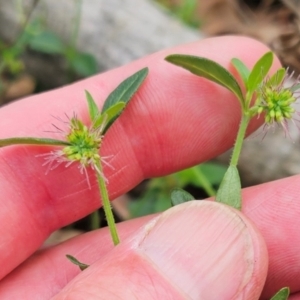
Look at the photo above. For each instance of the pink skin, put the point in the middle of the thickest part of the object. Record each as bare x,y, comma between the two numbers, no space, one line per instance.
176,120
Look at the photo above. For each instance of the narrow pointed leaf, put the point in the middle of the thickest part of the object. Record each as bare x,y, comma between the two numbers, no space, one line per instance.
125,90
277,78
208,69
230,189
93,108
179,196
32,141
76,262
259,71
282,294
242,69
109,116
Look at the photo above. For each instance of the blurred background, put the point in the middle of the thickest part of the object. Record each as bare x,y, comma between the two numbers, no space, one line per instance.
45,44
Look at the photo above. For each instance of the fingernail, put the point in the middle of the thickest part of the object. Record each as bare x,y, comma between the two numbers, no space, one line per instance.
204,248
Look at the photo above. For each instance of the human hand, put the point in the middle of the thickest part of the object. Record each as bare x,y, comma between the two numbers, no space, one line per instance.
197,250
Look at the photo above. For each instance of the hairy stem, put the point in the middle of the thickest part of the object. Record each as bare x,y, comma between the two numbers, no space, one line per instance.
239,140
106,206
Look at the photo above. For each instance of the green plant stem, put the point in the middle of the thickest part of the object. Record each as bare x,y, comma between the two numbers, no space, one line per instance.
204,182
106,206
239,140
95,220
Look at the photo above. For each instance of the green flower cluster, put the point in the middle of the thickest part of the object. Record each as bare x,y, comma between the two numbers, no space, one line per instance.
275,102
84,143
83,146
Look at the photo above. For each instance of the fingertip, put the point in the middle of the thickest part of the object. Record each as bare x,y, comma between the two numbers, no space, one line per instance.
198,250
209,251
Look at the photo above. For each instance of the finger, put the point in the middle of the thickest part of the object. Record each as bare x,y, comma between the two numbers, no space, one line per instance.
199,250
294,296
175,120
56,270
275,208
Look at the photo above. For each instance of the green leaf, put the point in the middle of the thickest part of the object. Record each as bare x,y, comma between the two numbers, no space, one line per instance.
197,177
259,71
76,262
109,116
208,69
93,108
242,69
125,90
282,294
153,200
203,181
47,42
83,64
277,77
179,196
230,188
32,141
214,172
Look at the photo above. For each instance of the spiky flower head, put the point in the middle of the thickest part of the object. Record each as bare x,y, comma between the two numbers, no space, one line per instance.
275,100
84,145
